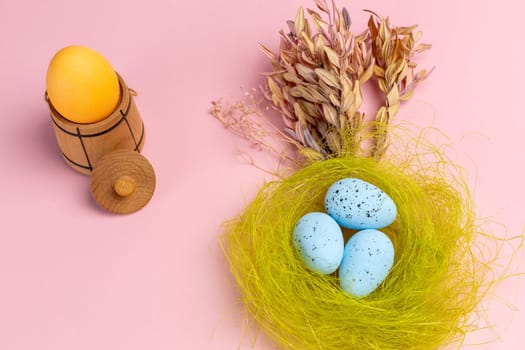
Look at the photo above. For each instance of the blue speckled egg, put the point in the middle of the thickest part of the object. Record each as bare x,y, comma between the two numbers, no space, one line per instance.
367,260
358,205
319,242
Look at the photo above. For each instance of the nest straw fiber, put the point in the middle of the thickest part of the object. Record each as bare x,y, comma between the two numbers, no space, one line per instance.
427,300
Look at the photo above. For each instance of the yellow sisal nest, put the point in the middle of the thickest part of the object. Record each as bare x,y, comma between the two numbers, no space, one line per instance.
425,302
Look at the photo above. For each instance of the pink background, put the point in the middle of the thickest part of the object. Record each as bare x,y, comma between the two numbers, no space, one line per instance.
75,277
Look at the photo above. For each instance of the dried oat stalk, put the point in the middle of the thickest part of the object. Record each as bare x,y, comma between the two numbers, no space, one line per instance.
393,49
316,82
318,73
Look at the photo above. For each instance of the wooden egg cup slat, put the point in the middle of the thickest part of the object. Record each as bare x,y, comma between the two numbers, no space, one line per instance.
82,145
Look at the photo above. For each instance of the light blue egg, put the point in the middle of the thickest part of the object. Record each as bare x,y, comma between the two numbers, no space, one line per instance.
358,205
319,242
368,258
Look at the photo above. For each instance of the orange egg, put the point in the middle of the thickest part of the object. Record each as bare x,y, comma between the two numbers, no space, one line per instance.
81,84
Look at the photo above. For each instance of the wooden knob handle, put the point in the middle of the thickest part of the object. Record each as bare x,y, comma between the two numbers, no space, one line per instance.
124,186
122,181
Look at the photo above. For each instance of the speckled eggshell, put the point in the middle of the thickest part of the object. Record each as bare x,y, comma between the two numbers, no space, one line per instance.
358,205
367,260
319,242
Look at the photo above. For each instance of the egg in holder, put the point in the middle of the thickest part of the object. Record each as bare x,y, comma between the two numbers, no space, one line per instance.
122,180
439,271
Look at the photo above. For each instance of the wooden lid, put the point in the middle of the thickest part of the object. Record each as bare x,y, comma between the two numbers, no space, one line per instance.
123,181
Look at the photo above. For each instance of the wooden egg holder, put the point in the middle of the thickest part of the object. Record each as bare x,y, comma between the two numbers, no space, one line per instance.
122,180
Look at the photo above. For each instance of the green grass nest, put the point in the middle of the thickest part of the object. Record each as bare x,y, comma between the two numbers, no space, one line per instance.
427,300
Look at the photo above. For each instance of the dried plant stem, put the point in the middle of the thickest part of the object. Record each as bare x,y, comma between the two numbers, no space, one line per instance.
246,119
